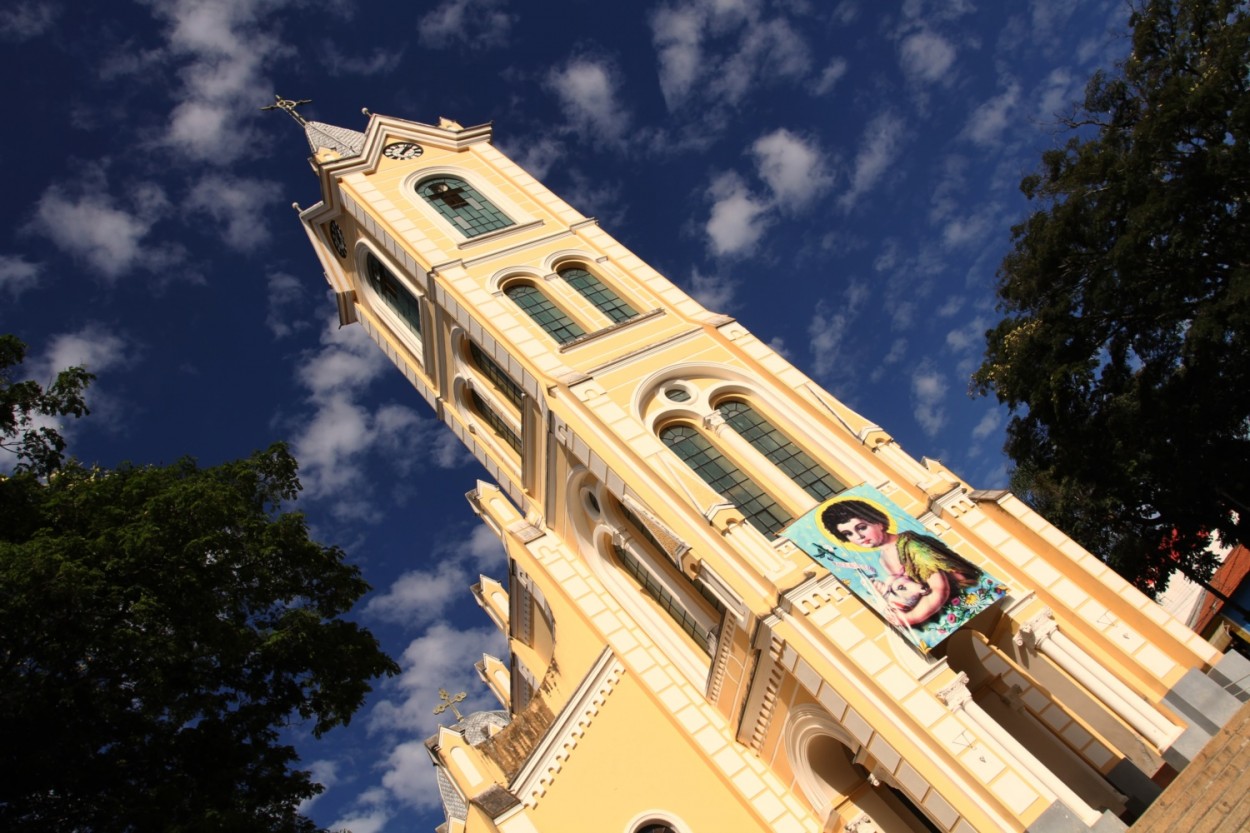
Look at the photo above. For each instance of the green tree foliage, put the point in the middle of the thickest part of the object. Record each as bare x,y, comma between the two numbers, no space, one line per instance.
28,411
162,626
1124,353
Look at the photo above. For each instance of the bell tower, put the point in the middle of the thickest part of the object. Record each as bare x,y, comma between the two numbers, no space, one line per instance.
732,603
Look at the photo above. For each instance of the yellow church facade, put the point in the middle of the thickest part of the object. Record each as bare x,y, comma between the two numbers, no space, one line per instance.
676,662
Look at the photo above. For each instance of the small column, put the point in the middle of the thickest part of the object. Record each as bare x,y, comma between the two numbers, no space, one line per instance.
779,485
959,700
1043,636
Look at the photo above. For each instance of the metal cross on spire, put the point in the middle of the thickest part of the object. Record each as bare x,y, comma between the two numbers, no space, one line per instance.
288,106
449,702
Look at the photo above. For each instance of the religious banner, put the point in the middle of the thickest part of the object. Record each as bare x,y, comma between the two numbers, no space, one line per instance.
914,580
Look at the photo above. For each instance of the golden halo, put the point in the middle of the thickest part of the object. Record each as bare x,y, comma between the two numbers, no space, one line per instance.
891,526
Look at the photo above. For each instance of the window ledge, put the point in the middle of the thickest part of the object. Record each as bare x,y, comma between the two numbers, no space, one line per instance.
612,328
498,233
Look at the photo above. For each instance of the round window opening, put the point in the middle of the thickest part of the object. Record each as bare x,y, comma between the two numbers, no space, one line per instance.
655,827
592,502
677,395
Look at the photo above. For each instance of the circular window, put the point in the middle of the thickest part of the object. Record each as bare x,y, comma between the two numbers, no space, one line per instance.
677,395
592,502
655,827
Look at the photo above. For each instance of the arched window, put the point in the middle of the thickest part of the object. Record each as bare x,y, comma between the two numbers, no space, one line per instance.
462,205
497,423
725,477
393,293
661,595
779,450
545,314
496,374
594,290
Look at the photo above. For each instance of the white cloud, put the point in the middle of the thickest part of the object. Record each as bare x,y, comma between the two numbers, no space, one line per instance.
94,347
238,205
218,50
988,425
736,222
830,325
420,596
342,436
285,295
587,89
410,775
24,21
926,56
478,24
714,52
537,155
677,35
986,124
17,274
110,236
371,821
971,336
375,61
1057,95
830,76
878,148
794,168
715,292
970,229
928,392
442,657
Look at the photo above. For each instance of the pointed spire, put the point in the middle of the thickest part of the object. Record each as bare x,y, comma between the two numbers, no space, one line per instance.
319,134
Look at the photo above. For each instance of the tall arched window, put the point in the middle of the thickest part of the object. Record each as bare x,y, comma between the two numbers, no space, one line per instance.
496,422
393,293
594,290
780,451
545,314
661,595
496,374
462,205
725,477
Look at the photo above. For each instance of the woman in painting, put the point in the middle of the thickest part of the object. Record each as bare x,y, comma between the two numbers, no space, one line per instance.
922,574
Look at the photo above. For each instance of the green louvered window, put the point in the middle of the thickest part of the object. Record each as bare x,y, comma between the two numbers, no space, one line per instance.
497,423
662,597
462,205
781,452
498,377
726,478
593,290
546,314
393,293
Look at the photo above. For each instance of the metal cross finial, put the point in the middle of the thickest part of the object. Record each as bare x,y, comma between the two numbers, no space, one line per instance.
288,106
449,702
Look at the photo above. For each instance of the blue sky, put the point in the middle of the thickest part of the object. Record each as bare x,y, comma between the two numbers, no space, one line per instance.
839,176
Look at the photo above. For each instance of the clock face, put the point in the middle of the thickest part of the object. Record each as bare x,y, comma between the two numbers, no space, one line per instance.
336,237
402,150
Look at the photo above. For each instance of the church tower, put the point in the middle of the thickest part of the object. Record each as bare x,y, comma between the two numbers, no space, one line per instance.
732,603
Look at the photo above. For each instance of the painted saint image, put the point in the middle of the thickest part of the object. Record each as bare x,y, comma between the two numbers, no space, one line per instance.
912,578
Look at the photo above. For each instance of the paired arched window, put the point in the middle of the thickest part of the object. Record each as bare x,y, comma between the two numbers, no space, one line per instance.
726,478
780,451
492,418
393,293
498,377
595,291
462,205
544,313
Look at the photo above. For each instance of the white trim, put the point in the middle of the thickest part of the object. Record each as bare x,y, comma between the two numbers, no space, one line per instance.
654,816
378,307
479,183
568,727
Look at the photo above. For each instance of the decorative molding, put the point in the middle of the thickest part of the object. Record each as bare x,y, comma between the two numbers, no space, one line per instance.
570,725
